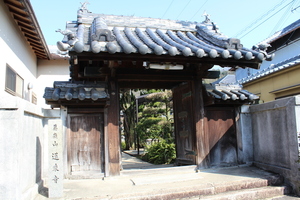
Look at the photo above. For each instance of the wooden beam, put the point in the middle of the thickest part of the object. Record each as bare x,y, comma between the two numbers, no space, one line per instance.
77,103
202,139
150,77
28,31
231,62
17,9
41,55
38,50
25,25
24,19
14,3
32,37
35,44
148,84
77,110
211,75
113,137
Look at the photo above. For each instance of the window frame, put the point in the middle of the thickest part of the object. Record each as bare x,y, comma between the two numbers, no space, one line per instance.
14,83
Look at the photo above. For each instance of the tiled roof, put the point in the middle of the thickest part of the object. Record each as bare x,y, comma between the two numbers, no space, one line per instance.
69,92
231,93
90,93
99,33
272,69
283,32
225,89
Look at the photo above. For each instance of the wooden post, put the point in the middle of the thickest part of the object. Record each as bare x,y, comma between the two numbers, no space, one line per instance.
202,139
112,134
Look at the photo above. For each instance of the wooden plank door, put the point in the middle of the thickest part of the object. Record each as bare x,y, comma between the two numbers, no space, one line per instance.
222,135
85,143
184,128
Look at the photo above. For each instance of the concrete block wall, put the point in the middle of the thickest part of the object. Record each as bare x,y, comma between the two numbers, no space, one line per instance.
275,128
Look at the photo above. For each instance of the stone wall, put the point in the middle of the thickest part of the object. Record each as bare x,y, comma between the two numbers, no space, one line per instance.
244,135
276,128
23,147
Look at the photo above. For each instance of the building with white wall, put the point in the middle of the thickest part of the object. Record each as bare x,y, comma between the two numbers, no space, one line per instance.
27,66
284,44
278,78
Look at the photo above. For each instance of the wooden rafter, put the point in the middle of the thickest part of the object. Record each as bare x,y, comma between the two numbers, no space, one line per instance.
24,17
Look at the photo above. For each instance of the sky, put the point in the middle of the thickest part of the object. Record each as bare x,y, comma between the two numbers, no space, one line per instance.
250,21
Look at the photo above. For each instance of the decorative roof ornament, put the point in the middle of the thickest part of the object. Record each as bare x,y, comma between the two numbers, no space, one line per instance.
100,31
84,6
209,22
209,31
99,34
262,48
70,37
207,18
82,11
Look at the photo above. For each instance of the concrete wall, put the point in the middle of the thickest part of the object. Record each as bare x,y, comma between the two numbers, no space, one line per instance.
276,128
23,147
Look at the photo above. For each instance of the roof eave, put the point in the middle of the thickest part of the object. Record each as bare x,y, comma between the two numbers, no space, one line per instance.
30,27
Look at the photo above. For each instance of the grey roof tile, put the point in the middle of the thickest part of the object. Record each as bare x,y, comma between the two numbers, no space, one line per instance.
137,35
293,26
271,69
225,89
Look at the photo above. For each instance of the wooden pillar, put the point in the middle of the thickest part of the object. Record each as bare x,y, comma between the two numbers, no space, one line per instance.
112,137
202,139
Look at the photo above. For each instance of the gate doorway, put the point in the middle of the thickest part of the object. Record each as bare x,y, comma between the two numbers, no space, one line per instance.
184,129
85,151
147,127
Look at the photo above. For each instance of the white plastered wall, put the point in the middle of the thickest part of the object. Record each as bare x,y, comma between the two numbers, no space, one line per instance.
48,72
16,52
22,124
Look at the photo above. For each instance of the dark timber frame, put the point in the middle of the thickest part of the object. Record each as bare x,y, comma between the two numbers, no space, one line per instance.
124,73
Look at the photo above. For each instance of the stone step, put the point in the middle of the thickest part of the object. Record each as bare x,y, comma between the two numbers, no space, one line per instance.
284,197
176,183
249,188
253,193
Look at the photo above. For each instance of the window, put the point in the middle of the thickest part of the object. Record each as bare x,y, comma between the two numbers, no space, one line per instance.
13,82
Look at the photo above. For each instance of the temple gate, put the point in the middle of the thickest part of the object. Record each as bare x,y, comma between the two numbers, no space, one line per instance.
108,53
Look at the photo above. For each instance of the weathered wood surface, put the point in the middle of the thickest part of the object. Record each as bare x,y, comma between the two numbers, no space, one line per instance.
113,135
222,135
184,127
219,120
85,152
201,136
